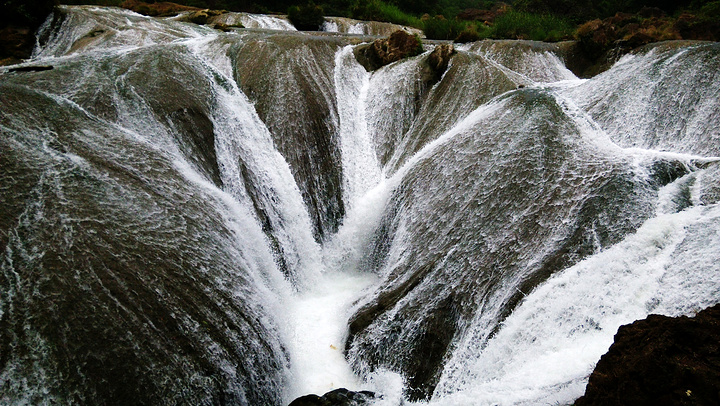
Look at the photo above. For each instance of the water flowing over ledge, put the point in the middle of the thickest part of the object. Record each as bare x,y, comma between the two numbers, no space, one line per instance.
197,217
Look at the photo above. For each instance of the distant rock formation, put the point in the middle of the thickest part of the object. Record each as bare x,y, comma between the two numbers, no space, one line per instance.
201,16
660,361
600,43
338,397
385,51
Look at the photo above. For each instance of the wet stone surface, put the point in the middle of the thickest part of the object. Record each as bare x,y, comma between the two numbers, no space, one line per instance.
337,397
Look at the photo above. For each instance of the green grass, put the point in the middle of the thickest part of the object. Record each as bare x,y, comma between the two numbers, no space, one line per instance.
377,10
441,28
518,25
474,32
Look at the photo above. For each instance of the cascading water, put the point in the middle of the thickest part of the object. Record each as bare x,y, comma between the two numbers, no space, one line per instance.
349,26
197,217
268,22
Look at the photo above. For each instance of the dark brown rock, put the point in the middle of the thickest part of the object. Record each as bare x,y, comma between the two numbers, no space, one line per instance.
337,397
488,16
437,63
385,51
690,26
600,43
660,361
201,17
440,57
16,43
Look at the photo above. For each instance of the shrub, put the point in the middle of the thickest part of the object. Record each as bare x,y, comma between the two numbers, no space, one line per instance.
536,27
473,32
710,12
377,10
308,17
439,27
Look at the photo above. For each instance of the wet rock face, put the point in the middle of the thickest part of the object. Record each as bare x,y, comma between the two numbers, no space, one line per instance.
439,277
142,294
385,51
289,78
139,296
660,361
338,397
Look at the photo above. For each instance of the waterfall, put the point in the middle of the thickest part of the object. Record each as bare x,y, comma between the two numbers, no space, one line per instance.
245,217
349,26
262,21
652,100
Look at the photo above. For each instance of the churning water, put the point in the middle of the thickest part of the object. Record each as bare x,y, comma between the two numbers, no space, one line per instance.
197,217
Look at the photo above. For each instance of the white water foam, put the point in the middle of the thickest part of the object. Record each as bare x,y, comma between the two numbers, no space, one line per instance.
319,319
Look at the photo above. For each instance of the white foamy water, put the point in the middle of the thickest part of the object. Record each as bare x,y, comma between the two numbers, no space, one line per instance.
319,329
361,169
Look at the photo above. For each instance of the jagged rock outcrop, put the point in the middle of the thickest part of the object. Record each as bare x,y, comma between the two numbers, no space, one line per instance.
385,51
337,397
660,361
437,62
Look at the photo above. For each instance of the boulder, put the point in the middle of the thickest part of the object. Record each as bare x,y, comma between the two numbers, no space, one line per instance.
660,361
440,57
16,43
437,63
385,51
337,397
202,16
